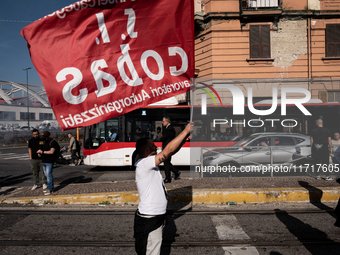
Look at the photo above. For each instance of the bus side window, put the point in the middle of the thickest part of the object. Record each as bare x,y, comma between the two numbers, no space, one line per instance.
112,131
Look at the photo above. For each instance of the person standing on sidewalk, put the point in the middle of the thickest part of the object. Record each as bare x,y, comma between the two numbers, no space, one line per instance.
47,157
321,144
150,215
168,135
73,148
34,144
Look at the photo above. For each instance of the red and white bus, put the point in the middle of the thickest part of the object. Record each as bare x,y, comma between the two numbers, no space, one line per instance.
98,150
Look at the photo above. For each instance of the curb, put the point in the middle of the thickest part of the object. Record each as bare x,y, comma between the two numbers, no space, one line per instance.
188,195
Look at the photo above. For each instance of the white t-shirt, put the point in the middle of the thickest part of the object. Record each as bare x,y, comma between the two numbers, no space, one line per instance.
150,187
335,145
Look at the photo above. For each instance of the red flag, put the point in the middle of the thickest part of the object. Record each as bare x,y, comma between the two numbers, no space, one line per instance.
98,59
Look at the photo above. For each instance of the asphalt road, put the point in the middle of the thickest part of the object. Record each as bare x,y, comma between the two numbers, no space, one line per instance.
15,170
89,232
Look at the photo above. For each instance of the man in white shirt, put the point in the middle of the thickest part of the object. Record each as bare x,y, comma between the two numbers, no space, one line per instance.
150,215
336,141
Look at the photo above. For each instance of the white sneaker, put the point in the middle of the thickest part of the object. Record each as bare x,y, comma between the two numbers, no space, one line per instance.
44,186
48,192
34,187
72,164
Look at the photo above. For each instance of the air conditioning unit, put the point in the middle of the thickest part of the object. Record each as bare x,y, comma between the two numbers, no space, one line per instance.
263,3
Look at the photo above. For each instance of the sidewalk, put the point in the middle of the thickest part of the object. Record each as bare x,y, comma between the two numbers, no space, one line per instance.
186,190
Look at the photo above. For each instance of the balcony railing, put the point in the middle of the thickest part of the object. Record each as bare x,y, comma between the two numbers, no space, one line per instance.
260,4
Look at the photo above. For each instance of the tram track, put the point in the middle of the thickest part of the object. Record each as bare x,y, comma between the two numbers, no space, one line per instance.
170,212
212,243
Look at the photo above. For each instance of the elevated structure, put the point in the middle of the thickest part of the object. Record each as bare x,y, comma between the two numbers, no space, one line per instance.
13,104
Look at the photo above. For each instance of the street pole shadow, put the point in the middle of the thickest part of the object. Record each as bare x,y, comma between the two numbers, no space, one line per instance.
77,179
9,180
315,196
177,200
313,239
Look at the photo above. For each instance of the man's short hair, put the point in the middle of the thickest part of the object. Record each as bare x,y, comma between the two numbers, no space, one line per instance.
141,145
35,130
167,118
69,134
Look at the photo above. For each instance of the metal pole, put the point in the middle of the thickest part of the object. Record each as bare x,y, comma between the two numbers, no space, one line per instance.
28,107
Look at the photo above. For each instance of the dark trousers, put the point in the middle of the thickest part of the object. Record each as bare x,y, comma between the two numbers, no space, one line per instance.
168,168
36,166
320,156
143,227
74,155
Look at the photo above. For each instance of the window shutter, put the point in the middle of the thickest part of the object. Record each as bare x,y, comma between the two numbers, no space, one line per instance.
332,40
260,41
323,96
265,41
254,41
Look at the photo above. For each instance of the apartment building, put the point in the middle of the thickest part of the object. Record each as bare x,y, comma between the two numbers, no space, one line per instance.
270,43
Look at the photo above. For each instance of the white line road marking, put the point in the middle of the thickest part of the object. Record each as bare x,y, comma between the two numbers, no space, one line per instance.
228,229
7,156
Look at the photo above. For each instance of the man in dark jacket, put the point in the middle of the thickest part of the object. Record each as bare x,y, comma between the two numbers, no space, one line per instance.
47,157
321,144
168,135
34,144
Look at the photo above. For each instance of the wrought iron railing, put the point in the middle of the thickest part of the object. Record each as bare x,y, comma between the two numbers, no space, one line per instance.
260,4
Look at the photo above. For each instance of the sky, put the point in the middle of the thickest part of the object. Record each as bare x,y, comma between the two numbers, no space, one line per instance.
14,55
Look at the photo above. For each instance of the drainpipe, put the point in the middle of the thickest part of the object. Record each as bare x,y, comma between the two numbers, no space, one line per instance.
309,49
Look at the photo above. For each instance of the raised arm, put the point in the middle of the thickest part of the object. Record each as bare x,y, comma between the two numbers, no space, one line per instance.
174,145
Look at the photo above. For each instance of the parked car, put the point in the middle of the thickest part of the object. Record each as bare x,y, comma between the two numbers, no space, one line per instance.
287,148
24,128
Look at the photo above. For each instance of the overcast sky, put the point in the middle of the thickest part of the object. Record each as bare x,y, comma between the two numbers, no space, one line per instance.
14,55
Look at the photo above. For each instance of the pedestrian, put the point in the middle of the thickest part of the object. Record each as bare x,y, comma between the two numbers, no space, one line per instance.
321,144
336,141
46,153
34,144
168,135
138,135
73,148
158,134
150,215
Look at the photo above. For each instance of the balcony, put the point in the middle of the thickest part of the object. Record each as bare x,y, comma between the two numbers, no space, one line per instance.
249,5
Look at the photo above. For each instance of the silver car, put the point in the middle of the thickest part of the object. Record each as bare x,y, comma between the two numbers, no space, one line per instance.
262,148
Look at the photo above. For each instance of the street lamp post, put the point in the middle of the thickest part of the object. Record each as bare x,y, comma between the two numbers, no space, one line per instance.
28,107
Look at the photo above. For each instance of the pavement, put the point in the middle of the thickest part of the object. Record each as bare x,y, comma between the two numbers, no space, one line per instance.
195,191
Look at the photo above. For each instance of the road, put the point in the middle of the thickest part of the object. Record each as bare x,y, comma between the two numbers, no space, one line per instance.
15,170
50,230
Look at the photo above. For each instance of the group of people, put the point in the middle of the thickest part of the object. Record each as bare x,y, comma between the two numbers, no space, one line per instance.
42,153
322,150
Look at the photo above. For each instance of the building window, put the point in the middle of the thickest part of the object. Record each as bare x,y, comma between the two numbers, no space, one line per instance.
45,116
259,41
333,96
333,40
7,115
23,116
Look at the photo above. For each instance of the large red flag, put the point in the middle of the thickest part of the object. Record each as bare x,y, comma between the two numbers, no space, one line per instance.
101,58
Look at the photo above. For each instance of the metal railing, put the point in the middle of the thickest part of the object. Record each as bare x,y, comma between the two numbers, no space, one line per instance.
260,4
